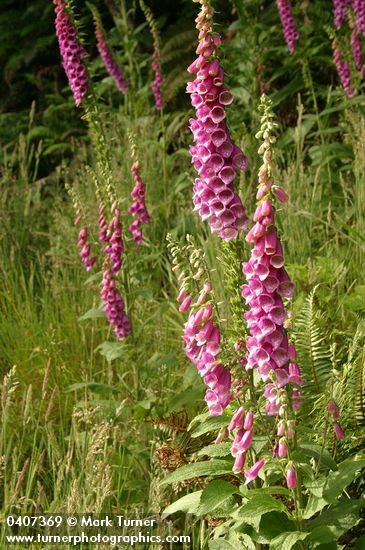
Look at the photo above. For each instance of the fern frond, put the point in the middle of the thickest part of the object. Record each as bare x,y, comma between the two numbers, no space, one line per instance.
313,350
171,425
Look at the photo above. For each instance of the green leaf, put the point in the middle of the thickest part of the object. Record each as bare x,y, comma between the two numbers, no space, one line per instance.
93,313
322,535
272,525
337,481
340,517
187,397
211,425
257,506
220,449
188,503
314,505
101,389
317,452
360,543
198,469
287,540
111,350
232,542
214,495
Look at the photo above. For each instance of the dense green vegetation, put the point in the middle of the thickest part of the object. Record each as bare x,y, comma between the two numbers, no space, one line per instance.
90,423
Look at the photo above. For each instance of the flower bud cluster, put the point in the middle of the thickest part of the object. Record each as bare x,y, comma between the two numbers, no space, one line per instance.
107,56
156,57
138,207
290,32
71,51
215,157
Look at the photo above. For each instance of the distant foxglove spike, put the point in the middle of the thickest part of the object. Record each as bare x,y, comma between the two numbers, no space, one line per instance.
290,32
111,66
339,11
72,52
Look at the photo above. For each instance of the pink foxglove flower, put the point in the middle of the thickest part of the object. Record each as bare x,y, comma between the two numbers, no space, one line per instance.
343,70
72,52
291,477
110,236
254,471
243,423
359,9
215,157
156,85
356,50
339,11
290,32
114,242
268,284
138,207
340,434
110,64
114,306
85,249
202,347
334,410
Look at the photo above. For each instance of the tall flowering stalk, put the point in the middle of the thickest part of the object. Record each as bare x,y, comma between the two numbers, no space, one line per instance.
340,8
138,207
290,32
215,157
343,69
106,55
356,51
359,9
110,237
268,285
83,237
72,52
202,335
156,85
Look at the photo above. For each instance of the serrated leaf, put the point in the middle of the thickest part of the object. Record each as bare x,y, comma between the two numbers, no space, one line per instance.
214,495
199,469
188,503
219,450
211,425
257,506
337,481
287,540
